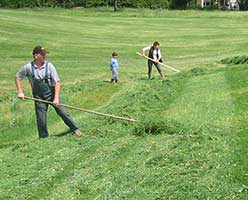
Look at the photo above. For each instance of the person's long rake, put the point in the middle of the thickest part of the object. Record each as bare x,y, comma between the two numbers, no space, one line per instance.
82,109
172,68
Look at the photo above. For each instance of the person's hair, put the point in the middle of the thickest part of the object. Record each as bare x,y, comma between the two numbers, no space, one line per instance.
39,49
114,54
156,44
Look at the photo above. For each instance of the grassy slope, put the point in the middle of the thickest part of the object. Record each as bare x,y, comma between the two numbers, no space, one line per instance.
201,150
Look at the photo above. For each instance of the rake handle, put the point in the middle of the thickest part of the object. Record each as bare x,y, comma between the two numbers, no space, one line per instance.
172,68
82,109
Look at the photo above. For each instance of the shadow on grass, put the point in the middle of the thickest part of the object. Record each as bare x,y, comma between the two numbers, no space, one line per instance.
106,81
63,134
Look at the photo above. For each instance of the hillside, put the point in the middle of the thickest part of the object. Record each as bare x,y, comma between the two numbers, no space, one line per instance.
190,141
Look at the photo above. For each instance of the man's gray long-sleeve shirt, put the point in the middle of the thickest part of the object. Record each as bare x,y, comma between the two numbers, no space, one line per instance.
39,73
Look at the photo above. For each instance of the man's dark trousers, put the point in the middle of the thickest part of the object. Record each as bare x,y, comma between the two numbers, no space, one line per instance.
41,115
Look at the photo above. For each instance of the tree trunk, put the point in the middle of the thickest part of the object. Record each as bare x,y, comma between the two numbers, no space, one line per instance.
115,5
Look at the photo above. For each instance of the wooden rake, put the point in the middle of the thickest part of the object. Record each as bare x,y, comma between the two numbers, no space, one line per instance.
82,109
172,68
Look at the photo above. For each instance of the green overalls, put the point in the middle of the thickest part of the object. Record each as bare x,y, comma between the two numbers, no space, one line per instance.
42,90
41,87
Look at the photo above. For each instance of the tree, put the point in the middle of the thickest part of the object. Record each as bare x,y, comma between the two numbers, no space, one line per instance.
179,4
243,4
115,5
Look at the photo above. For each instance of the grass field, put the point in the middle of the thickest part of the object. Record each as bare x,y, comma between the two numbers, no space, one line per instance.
191,138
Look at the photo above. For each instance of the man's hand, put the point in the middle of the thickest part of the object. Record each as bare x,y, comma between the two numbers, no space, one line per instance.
21,95
56,101
143,53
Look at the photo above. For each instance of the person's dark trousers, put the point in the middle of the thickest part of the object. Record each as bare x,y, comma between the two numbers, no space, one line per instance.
41,112
150,63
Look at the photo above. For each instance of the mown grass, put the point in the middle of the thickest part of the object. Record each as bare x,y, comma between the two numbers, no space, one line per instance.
190,139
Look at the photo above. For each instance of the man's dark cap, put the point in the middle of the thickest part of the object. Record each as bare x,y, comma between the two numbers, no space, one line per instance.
39,50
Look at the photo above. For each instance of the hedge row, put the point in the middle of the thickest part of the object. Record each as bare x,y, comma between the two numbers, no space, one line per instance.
154,4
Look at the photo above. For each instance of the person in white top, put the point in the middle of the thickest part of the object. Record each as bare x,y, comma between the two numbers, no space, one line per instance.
155,54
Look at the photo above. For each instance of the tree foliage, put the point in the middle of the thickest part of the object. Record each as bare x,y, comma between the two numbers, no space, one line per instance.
243,4
85,3
152,4
179,4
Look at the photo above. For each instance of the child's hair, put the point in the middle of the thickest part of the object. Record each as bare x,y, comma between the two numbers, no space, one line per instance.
156,44
114,54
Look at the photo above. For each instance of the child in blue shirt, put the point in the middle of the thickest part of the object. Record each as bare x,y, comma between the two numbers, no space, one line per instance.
114,67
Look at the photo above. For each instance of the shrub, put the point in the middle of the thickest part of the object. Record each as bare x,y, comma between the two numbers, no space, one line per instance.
154,4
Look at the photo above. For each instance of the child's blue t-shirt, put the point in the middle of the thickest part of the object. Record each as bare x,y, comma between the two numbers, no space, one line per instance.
114,63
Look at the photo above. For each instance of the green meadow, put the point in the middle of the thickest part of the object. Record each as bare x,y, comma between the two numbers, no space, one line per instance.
190,141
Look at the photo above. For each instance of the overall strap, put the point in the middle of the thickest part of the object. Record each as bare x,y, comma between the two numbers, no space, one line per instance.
32,68
46,73
46,70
